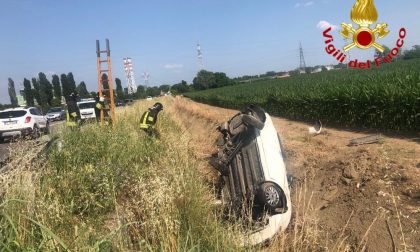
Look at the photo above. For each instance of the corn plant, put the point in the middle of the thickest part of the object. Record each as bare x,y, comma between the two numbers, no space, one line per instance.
384,98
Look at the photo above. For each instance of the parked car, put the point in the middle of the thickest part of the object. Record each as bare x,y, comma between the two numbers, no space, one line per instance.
55,114
87,109
17,122
119,103
149,98
253,173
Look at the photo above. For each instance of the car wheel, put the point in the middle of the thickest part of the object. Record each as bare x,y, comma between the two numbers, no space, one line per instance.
47,129
36,132
273,197
253,121
1,140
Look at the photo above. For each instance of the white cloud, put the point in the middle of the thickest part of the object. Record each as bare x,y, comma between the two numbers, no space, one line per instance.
325,24
304,4
309,3
173,66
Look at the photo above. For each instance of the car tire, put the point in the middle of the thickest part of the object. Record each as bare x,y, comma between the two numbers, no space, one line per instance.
36,133
47,129
1,140
272,196
253,121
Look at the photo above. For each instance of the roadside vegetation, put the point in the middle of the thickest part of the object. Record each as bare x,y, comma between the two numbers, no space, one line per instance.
104,190
385,98
99,189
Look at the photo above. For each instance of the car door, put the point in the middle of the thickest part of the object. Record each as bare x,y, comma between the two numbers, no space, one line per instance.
42,119
38,117
35,116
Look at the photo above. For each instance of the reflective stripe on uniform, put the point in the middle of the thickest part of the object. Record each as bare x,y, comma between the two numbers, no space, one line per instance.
70,123
147,121
74,114
98,105
143,124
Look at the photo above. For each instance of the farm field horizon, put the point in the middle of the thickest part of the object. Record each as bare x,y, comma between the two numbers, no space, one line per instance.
387,98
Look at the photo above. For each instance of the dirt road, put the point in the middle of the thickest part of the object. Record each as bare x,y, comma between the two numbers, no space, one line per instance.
375,188
4,147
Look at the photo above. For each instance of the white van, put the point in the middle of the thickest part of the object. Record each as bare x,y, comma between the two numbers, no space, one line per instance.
87,109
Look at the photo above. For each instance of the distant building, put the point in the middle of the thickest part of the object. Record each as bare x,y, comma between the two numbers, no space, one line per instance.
331,67
285,75
317,70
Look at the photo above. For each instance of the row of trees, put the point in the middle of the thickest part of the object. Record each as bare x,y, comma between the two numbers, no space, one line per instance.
204,80
40,91
44,93
143,92
413,53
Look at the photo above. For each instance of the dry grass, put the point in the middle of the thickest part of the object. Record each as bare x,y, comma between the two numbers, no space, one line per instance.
119,190
111,190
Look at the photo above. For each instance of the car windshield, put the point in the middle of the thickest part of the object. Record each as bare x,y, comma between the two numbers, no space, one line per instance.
54,110
86,105
12,114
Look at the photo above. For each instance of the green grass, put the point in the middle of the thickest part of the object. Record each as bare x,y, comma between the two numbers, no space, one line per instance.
384,98
112,190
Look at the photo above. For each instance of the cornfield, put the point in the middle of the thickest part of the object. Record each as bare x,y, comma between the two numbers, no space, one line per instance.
384,98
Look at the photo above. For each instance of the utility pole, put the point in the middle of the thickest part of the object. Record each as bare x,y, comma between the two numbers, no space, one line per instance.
199,57
146,77
129,75
302,65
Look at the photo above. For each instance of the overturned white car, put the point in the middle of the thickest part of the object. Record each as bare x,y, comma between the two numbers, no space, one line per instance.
253,173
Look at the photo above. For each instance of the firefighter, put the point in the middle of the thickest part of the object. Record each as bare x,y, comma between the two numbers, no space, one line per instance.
73,112
99,105
149,118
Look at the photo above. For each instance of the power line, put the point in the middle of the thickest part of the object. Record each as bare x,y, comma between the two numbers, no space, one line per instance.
146,78
199,57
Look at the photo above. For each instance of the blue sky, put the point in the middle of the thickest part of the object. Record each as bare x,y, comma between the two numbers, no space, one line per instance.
237,37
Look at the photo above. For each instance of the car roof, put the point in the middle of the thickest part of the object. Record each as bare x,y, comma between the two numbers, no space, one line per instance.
17,108
86,101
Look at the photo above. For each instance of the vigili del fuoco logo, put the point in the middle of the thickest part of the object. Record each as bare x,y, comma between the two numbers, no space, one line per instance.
364,35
